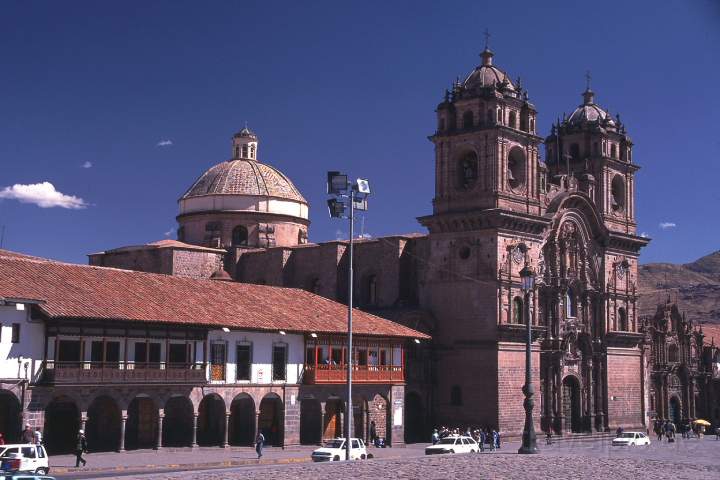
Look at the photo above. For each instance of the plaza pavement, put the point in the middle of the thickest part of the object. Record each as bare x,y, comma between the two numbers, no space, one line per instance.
595,459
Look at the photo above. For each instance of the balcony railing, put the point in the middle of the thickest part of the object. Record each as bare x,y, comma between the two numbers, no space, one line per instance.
122,372
361,374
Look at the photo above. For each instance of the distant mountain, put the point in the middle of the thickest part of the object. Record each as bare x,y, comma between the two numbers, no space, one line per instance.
694,286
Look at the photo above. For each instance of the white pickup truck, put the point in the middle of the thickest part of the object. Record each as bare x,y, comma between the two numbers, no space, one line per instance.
334,451
24,458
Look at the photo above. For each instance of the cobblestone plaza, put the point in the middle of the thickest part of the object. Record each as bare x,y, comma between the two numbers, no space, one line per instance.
685,459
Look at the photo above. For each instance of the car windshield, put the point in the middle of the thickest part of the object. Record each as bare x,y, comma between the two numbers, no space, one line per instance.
447,441
334,444
627,435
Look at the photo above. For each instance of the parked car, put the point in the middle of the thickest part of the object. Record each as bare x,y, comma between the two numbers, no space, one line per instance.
453,444
631,438
334,451
24,458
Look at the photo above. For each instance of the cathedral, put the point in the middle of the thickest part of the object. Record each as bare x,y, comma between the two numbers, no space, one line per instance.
499,205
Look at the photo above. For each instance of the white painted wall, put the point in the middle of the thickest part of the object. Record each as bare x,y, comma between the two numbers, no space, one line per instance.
28,351
262,345
246,203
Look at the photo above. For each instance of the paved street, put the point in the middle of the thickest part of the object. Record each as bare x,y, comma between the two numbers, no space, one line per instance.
686,459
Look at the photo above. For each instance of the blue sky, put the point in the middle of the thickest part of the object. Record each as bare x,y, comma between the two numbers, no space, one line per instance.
331,85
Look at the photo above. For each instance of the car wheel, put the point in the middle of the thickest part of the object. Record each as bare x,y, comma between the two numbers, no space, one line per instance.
452,451
41,471
369,456
336,458
362,457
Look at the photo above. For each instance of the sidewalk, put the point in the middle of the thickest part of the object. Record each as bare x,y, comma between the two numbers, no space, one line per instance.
202,457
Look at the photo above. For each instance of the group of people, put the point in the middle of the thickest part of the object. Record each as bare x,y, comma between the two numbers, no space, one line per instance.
28,436
667,429
483,436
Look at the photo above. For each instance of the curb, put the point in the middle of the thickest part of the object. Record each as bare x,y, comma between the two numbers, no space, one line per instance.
189,466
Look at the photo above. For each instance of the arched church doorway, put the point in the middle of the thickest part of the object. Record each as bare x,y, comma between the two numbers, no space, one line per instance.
211,420
675,411
270,421
333,418
571,404
178,422
10,417
414,419
142,422
242,420
62,422
310,419
103,425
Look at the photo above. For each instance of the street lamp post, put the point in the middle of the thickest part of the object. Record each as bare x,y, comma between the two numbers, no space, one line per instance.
529,439
347,197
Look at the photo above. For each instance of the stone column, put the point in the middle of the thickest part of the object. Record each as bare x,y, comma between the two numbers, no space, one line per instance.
364,433
322,422
161,416
590,382
83,420
194,438
122,430
227,429
341,419
257,424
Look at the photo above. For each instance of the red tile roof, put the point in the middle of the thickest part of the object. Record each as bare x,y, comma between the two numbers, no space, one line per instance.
87,292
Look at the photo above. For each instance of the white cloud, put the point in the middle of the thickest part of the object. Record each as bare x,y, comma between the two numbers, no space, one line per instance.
43,195
644,235
339,234
169,232
87,164
666,225
164,143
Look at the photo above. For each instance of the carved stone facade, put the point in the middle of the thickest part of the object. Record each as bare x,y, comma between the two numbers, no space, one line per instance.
679,369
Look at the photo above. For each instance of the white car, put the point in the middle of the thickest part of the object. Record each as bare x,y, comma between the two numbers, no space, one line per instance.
24,458
631,438
453,444
334,451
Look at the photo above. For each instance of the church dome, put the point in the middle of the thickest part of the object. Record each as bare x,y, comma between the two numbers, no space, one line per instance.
488,75
589,112
244,177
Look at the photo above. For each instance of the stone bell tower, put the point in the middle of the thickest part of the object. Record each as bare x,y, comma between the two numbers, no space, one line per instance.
486,148
596,152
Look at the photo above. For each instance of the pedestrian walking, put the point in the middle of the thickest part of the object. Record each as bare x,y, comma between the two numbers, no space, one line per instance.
80,448
435,437
717,433
481,441
493,434
37,436
259,443
373,433
548,438
27,434
498,440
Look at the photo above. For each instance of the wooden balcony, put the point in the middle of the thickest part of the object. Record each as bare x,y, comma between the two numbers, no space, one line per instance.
321,374
82,373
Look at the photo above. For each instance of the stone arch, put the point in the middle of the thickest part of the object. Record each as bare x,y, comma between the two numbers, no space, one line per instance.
142,423
572,404
178,422
467,166
675,410
516,167
62,422
415,430
310,421
103,425
211,420
242,420
270,421
10,416
240,236
379,413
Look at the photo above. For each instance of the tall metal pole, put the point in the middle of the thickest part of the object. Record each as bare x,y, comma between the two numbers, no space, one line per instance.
529,439
349,411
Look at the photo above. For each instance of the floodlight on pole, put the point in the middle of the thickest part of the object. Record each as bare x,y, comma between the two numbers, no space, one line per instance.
348,197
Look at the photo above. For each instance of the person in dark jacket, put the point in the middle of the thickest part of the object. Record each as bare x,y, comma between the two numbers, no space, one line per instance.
259,443
80,448
373,433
